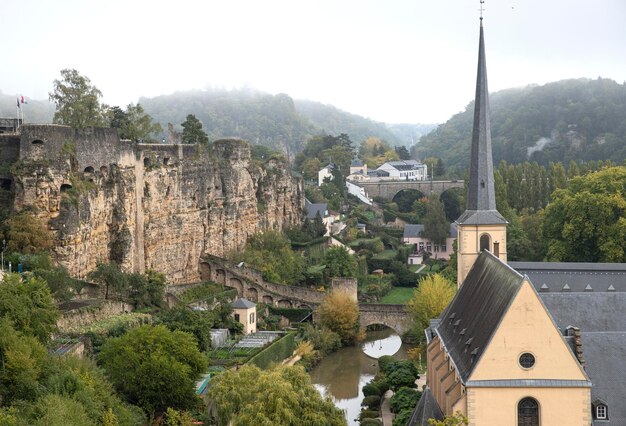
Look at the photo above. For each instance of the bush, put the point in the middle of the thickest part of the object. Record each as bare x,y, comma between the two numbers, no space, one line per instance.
371,389
323,339
372,402
406,398
368,414
371,422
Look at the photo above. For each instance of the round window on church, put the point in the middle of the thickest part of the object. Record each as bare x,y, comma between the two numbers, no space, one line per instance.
526,360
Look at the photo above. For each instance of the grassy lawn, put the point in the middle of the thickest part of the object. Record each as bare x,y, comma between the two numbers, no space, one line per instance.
398,295
385,255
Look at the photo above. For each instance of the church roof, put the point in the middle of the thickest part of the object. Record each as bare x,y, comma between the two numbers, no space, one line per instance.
470,320
597,312
481,194
579,276
605,356
426,408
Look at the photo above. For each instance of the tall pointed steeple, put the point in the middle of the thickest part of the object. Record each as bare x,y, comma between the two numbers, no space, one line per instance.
481,226
481,194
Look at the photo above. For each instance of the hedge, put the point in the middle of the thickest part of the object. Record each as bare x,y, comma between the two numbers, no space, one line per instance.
276,352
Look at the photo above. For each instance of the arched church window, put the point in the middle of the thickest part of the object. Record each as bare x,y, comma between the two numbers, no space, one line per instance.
484,242
528,412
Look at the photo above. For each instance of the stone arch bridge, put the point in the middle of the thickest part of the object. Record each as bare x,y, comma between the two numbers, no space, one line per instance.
250,284
388,189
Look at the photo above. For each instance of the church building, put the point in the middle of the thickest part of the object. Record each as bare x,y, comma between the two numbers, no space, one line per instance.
522,343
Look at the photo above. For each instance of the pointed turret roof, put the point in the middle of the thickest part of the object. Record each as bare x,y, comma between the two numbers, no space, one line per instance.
481,194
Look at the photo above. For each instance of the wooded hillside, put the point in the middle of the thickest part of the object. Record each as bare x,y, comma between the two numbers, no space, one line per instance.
562,121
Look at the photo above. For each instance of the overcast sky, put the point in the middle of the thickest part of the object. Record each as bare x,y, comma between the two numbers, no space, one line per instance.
389,60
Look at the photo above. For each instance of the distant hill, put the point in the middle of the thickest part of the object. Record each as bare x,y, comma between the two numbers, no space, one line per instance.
277,121
335,121
567,120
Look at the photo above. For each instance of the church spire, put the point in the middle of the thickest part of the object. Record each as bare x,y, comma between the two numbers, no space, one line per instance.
481,195
481,226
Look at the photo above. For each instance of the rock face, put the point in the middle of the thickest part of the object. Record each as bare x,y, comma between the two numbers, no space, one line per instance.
149,206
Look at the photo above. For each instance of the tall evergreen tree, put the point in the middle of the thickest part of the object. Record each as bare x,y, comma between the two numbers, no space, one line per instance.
192,131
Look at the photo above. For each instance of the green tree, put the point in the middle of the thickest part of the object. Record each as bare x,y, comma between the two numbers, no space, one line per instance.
28,304
402,152
197,323
339,312
271,253
147,289
77,101
134,123
192,131
587,221
436,226
22,360
430,298
111,277
154,367
27,234
282,396
339,262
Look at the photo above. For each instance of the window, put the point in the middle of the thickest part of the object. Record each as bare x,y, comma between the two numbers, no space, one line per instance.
602,412
429,247
421,246
484,242
236,317
527,360
436,247
444,247
496,249
528,412
251,317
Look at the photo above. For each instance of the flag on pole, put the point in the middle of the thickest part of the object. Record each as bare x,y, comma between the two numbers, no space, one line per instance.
18,102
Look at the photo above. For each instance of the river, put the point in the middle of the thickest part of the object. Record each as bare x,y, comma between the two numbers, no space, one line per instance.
344,373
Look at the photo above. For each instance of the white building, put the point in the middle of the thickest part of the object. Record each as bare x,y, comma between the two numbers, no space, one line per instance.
326,172
403,170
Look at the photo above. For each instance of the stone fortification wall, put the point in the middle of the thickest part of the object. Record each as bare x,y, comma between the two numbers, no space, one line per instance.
151,206
73,320
9,152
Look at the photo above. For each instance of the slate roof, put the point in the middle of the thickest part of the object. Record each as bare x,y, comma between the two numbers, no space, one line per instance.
356,163
242,303
313,208
471,319
415,231
605,356
481,217
554,275
588,311
426,408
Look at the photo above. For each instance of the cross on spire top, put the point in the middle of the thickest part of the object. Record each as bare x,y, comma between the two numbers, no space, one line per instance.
482,9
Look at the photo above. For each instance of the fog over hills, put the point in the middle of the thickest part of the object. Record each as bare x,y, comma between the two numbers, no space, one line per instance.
578,119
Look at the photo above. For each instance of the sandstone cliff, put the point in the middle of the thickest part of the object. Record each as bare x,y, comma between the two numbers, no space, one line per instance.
149,206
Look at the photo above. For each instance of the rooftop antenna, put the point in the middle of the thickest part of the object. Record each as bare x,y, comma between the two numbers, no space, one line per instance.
482,9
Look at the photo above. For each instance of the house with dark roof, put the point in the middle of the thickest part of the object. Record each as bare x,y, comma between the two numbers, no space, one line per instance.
414,235
522,343
244,311
403,170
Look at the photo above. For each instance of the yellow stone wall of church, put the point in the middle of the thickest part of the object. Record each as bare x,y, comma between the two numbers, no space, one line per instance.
468,245
557,406
527,327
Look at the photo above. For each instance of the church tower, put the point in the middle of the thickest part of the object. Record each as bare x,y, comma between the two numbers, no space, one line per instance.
481,226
